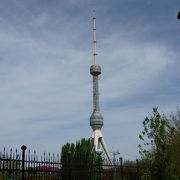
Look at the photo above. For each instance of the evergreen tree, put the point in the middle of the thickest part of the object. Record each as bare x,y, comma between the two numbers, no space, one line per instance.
79,161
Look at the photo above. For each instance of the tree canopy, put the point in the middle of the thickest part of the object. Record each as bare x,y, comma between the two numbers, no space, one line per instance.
80,158
158,145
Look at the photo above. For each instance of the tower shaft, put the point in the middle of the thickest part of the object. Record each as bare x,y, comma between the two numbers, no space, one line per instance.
96,93
96,119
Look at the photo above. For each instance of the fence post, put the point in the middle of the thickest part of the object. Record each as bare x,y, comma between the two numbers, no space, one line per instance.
69,165
23,148
99,152
121,160
100,178
150,164
137,165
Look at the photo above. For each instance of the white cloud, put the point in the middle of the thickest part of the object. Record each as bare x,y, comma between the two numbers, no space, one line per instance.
131,68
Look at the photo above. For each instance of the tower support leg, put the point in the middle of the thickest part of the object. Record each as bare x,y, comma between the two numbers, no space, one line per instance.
105,149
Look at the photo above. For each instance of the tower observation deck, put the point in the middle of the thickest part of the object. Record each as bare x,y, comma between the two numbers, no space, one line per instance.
96,119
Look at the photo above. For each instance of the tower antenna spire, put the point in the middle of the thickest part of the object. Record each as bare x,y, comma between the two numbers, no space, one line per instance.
94,35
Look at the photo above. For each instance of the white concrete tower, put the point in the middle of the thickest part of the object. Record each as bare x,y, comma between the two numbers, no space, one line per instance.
96,119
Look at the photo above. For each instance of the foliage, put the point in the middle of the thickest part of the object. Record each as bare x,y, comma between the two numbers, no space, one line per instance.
80,158
175,120
157,137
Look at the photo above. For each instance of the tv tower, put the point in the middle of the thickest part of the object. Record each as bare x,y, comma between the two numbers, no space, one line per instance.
96,119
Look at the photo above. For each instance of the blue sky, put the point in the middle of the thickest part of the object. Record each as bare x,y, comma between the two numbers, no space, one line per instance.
45,54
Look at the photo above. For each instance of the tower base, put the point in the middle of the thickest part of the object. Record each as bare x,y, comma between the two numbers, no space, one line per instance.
98,139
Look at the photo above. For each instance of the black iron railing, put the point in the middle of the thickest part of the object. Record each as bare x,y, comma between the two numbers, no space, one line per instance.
27,165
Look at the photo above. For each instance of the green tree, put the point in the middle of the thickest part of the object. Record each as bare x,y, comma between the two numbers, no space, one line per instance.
157,137
79,160
175,120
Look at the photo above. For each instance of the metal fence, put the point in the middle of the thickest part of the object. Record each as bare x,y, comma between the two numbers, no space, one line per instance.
26,165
